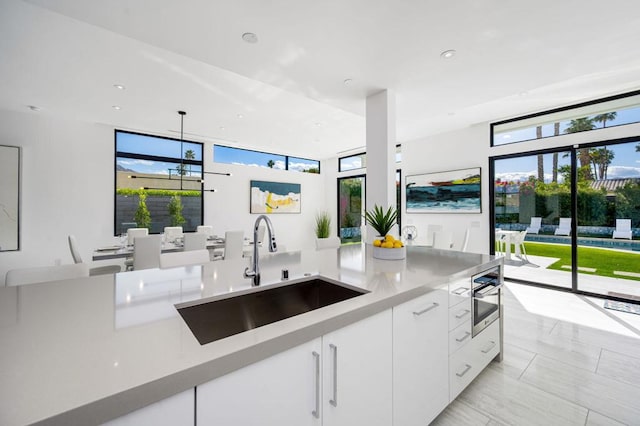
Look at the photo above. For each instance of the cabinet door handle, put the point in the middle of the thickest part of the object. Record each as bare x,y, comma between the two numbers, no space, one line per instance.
464,313
463,338
334,401
424,311
467,367
460,290
492,345
316,411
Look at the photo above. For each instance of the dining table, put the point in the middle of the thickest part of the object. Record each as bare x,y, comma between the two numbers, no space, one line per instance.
117,251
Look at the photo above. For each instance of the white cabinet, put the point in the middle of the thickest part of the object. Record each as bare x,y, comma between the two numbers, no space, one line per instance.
420,357
341,379
280,390
357,376
177,410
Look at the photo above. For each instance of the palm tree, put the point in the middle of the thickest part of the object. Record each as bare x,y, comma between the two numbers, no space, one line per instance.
540,156
601,158
270,164
603,118
581,125
189,155
556,132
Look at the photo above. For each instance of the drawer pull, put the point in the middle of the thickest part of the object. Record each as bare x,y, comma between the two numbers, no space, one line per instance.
424,311
467,367
492,345
463,314
334,401
460,290
463,338
316,411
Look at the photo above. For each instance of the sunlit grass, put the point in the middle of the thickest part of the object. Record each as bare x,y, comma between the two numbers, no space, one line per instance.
603,260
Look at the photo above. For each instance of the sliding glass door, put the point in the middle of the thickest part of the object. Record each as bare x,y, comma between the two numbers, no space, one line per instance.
351,205
570,218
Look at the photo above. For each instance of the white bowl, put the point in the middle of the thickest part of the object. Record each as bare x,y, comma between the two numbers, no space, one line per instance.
389,253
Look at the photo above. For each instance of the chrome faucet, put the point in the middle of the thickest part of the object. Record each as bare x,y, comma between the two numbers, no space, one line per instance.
254,274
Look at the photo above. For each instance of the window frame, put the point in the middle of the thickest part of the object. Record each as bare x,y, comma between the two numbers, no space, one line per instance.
286,158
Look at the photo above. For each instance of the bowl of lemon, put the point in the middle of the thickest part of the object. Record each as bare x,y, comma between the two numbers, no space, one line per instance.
389,248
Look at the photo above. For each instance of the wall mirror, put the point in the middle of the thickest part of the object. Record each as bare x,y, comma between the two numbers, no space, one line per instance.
9,198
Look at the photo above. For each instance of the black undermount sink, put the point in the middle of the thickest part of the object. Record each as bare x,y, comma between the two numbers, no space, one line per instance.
227,315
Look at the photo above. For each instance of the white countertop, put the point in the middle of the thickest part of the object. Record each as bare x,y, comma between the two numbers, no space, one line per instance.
87,350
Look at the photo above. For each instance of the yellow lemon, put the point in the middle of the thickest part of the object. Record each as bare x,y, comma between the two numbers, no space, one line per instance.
397,244
389,237
377,243
387,244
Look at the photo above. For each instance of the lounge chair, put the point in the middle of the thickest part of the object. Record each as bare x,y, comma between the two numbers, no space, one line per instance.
623,229
536,224
564,228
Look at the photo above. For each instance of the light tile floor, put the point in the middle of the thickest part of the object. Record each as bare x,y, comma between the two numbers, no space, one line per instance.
567,361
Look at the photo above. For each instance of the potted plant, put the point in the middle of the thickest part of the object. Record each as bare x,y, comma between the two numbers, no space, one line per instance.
323,224
385,246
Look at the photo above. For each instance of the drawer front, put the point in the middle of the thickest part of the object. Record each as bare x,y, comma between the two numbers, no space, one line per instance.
459,291
487,343
459,337
459,314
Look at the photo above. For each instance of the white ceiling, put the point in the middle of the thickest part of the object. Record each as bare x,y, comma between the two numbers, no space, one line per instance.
513,57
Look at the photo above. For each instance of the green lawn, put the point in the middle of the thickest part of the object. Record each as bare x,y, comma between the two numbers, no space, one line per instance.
605,261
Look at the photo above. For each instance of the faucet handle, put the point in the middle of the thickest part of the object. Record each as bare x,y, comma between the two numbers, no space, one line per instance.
248,273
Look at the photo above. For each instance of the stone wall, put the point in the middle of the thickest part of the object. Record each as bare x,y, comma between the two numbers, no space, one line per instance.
158,207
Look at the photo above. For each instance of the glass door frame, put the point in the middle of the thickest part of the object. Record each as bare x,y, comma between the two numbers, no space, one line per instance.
363,200
573,149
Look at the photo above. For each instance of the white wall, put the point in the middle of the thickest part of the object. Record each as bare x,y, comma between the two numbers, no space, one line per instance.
68,188
461,149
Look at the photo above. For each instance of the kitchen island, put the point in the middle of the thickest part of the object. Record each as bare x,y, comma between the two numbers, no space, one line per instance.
90,350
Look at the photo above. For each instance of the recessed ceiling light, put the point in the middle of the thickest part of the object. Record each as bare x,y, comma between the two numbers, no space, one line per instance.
318,124
119,86
250,38
221,127
347,82
116,107
240,116
448,54
35,108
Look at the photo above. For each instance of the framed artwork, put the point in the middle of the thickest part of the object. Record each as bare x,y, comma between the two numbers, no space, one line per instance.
456,191
9,198
274,197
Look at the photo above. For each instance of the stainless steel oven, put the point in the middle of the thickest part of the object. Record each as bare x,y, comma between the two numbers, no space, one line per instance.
485,299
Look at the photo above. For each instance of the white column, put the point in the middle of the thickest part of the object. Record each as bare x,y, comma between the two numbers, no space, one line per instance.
381,154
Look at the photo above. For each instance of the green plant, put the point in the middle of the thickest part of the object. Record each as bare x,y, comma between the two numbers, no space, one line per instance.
142,216
380,220
127,192
175,211
323,224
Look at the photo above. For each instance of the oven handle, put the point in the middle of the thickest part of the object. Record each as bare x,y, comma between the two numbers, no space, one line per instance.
485,291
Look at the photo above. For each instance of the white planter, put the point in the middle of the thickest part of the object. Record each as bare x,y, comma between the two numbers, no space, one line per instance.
389,253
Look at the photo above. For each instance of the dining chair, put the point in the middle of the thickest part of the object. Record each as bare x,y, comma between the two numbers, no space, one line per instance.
195,241
233,244
518,243
465,240
171,233
431,230
205,229
443,240
146,252
184,258
46,273
98,270
132,233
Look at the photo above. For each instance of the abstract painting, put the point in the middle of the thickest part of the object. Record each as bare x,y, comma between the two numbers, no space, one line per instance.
274,197
456,191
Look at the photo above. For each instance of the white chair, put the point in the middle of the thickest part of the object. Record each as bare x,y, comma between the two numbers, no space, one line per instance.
99,270
536,224
623,229
172,233
431,230
465,240
46,273
501,243
195,241
564,228
443,240
327,243
518,243
146,252
205,229
233,244
184,258
132,233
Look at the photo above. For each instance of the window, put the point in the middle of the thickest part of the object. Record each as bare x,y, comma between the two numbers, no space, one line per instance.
164,173
359,161
246,157
609,112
